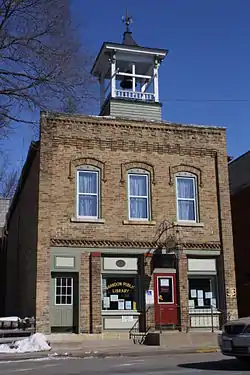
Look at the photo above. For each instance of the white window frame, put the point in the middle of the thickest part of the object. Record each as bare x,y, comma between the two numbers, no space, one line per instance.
139,196
195,199
66,295
97,194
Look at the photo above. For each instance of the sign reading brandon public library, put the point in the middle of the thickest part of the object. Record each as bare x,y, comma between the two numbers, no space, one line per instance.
120,287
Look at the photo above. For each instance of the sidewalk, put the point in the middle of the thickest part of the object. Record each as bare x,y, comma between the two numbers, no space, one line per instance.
114,344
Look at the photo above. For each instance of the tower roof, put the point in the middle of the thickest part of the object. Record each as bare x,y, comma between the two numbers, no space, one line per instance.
128,39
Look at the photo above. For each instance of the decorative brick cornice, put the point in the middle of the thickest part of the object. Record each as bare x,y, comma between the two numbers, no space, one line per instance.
164,126
62,242
135,146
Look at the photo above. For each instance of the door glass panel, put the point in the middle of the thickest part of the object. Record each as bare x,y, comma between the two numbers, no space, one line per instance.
165,290
64,291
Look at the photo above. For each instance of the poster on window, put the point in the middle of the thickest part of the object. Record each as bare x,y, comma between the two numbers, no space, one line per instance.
200,302
200,294
191,304
121,304
164,282
193,293
106,302
114,298
128,305
208,295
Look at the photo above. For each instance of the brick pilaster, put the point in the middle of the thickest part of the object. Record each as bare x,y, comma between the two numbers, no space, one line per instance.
183,291
96,300
84,294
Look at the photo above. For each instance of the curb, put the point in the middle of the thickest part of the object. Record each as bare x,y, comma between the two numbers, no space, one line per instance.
101,355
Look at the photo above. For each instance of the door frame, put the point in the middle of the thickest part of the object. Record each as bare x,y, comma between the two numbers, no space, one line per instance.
75,302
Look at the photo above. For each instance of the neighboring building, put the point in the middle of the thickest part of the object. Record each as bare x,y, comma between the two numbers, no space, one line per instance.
239,177
4,206
92,195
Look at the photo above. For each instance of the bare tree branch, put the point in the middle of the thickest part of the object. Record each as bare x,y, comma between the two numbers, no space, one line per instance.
8,177
43,63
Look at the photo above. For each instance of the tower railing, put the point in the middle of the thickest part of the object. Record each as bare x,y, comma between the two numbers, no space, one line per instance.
136,95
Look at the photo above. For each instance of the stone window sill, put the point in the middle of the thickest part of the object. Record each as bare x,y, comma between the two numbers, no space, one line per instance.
138,222
188,224
82,220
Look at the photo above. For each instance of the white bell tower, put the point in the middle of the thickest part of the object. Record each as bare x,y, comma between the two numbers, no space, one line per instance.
128,77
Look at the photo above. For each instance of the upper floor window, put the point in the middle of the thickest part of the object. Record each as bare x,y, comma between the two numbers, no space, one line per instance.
138,196
186,191
88,193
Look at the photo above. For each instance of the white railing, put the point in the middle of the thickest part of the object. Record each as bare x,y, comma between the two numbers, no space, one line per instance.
143,96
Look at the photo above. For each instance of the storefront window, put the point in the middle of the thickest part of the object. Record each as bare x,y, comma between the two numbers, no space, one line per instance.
119,293
202,293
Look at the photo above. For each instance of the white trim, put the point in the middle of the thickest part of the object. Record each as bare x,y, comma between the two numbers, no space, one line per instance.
113,77
156,83
97,194
194,200
65,295
157,296
153,53
139,196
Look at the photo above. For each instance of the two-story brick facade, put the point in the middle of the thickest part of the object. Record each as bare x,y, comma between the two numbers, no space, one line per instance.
94,190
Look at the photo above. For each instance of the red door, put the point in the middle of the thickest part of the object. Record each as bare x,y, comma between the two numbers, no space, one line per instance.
165,299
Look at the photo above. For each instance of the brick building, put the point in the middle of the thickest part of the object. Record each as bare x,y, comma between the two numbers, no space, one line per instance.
239,177
94,192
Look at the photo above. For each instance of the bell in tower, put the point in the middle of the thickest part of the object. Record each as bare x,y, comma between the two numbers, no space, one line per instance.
128,77
127,82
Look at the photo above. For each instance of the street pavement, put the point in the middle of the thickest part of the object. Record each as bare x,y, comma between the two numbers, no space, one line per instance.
207,364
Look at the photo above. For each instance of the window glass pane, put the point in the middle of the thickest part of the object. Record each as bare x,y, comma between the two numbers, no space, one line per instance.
69,290
63,300
63,290
138,185
185,187
63,281
69,281
202,293
87,182
87,205
186,210
58,300
119,293
138,208
58,281
58,290
68,300
165,290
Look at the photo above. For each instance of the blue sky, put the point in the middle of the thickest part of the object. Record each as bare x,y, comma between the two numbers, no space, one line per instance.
205,79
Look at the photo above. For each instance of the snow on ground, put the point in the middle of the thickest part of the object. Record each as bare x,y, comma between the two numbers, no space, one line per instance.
33,343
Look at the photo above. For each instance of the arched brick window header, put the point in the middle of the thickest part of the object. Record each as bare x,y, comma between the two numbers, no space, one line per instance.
185,168
137,165
77,163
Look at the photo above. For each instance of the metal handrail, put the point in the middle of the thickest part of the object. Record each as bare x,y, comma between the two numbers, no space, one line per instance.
135,328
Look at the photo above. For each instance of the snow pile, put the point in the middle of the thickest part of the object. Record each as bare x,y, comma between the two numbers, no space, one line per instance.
34,343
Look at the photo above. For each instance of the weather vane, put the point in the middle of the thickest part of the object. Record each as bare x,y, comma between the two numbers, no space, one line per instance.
127,20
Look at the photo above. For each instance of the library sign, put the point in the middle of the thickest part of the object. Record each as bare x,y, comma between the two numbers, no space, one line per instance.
120,287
